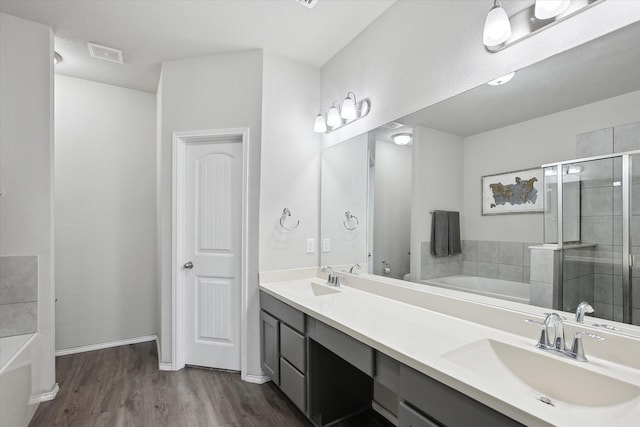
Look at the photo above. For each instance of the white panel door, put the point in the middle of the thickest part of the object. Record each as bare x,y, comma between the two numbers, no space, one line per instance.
213,246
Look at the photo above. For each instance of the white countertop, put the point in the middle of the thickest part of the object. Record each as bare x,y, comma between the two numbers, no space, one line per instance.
418,337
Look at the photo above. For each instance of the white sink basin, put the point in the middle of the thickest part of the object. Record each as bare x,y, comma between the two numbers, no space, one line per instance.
308,289
545,376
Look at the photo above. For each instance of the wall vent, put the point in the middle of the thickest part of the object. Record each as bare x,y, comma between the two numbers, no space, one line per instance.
393,125
107,53
308,3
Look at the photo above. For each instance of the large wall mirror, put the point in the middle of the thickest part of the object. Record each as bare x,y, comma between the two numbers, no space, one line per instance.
581,103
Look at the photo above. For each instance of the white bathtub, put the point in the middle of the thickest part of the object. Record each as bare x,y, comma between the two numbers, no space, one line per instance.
17,357
497,288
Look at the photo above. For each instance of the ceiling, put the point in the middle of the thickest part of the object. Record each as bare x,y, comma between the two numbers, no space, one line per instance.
150,32
597,70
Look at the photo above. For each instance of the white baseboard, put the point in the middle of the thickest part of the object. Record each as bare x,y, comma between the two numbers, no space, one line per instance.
165,366
256,379
100,346
44,397
382,411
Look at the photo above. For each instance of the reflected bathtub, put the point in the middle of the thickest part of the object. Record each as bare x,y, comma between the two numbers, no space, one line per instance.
496,288
17,357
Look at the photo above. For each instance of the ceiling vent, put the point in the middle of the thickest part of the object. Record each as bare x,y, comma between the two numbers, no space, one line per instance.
393,125
308,3
107,53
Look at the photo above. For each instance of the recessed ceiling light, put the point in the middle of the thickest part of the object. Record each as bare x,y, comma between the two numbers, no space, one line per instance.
502,80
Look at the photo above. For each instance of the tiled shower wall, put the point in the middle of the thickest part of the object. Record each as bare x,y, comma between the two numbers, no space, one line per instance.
497,260
601,215
18,295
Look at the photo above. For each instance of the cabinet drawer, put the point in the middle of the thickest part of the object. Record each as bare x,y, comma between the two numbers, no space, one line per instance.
446,405
292,383
282,311
350,349
292,347
408,417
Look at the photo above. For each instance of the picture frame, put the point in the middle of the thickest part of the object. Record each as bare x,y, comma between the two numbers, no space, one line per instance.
513,192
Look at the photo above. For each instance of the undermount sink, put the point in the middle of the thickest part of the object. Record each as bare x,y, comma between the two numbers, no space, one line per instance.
309,289
549,378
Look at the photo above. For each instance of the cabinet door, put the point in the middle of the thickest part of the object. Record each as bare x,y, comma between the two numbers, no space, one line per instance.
270,345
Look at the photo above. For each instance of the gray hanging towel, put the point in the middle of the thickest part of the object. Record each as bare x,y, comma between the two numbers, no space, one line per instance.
455,247
439,234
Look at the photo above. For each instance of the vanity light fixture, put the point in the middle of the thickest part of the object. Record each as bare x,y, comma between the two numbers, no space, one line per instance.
402,138
502,80
497,27
501,30
333,117
320,125
547,9
348,109
341,114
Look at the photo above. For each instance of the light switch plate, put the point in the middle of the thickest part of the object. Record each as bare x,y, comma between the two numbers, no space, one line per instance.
311,246
326,245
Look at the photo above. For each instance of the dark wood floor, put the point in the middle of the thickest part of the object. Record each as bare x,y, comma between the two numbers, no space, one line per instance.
122,386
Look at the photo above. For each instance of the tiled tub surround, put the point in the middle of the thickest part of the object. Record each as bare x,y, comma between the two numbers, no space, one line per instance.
490,259
18,295
392,312
602,216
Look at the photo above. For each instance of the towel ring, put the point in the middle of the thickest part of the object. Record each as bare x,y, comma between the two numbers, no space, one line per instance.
287,213
350,217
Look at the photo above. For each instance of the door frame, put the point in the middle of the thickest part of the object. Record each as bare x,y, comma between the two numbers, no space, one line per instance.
180,141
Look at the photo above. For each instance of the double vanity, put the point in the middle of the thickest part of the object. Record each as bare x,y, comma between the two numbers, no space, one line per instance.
445,358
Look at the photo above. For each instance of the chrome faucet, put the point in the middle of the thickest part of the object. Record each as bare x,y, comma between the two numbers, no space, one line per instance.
583,308
354,266
333,279
558,345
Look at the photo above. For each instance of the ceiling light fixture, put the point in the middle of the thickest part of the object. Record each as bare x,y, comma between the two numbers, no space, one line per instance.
502,80
402,138
57,58
497,27
547,9
340,115
501,30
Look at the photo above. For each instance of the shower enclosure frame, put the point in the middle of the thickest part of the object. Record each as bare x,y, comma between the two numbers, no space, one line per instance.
627,257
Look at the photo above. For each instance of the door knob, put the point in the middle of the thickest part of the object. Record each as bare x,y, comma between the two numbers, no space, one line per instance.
188,265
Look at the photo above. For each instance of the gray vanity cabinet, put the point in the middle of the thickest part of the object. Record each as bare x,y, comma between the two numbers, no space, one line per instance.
269,346
283,348
427,402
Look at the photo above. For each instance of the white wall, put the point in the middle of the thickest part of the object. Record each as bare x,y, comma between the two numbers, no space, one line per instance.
437,183
433,50
345,171
26,167
212,92
525,145
392,208
105,213
290,163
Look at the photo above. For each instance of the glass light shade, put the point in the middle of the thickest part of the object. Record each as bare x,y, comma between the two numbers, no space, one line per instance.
320,125
502,80
497,27
333,117
348,110
547,9
401,138
364,108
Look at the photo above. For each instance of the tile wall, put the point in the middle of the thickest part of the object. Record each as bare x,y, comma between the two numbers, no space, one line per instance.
18,295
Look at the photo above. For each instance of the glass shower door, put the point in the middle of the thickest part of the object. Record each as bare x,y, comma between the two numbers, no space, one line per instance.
594,236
